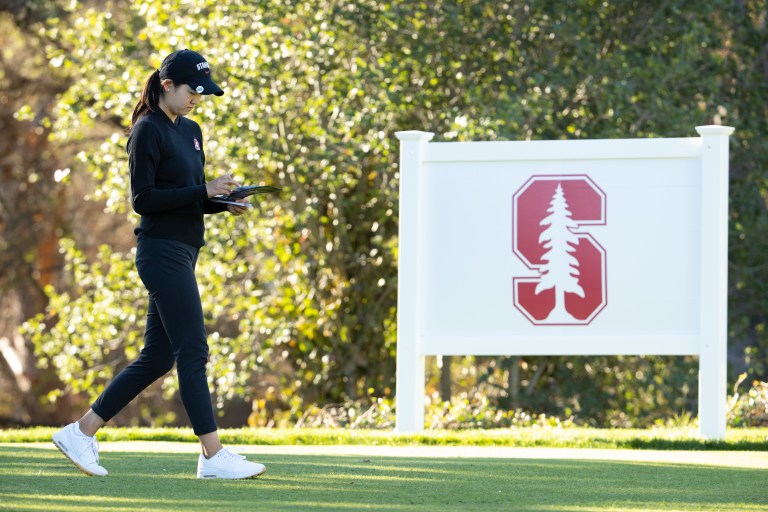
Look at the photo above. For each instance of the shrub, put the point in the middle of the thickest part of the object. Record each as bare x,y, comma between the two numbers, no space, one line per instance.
749,409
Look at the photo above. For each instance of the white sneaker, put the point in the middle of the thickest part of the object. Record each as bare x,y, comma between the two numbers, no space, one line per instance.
226,464
82,450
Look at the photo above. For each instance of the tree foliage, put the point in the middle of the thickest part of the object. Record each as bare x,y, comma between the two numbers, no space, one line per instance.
300,296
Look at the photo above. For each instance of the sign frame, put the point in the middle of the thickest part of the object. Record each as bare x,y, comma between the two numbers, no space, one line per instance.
710,149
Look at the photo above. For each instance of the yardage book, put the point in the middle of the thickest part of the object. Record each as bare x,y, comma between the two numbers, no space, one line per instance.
245,191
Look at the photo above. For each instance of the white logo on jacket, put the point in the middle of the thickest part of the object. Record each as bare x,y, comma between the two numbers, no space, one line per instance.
197,145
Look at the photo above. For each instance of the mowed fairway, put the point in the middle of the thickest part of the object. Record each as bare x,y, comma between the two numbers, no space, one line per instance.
38,477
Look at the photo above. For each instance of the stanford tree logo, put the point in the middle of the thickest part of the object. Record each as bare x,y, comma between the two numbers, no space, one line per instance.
568,285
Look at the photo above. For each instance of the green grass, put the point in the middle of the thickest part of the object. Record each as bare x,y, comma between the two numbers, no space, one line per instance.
554,437
40,478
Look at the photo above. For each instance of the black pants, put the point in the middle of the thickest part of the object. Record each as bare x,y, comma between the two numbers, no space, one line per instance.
175,333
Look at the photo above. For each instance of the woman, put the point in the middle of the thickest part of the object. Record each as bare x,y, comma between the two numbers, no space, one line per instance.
169,191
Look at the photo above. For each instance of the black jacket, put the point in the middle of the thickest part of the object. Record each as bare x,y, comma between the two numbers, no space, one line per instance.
166,161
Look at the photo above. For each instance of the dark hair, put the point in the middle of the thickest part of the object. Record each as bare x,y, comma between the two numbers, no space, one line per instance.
150,98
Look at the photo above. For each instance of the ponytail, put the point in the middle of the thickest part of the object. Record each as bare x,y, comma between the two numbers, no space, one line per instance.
150,98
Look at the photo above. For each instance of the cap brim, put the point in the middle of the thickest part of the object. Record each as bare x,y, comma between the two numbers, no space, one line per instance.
206,86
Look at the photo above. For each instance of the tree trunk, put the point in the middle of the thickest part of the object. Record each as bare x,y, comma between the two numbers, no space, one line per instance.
513,382
445,379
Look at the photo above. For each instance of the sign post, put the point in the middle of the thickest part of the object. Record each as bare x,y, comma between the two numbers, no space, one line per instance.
587,247
410,356
713,366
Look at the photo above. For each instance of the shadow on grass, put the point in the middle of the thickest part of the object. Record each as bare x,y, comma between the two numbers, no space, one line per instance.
33,478
692,444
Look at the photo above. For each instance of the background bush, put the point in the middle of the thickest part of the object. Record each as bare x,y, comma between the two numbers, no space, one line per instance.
300,295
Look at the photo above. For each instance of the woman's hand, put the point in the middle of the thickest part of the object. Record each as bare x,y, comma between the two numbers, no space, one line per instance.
221,186
239,210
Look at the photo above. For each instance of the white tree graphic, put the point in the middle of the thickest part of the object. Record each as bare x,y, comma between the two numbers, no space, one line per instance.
561,268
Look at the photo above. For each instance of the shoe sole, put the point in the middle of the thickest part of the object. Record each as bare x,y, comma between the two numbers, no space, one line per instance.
78,466
213,477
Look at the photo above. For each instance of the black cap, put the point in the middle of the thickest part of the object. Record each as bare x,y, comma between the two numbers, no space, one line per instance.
188,67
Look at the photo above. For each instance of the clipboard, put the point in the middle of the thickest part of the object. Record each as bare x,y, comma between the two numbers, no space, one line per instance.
245,191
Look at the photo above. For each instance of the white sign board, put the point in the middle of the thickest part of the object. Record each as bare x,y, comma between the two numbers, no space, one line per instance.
587,247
